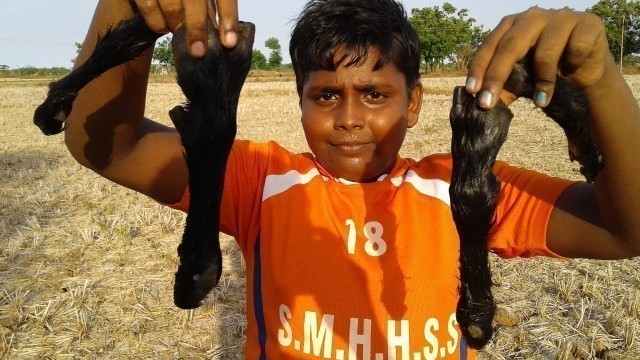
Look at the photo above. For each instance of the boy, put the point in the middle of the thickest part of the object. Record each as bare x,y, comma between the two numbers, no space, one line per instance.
351,251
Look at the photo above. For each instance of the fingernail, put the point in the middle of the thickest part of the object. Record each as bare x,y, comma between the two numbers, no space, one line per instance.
486,99
471,84
541,99
230,38
197,49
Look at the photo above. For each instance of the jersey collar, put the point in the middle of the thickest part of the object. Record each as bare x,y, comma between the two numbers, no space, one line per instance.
398,170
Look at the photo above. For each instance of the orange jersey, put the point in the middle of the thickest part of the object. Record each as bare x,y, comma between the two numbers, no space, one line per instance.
340,270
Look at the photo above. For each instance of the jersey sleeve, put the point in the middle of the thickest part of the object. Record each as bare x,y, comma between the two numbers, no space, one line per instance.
524,206
241,197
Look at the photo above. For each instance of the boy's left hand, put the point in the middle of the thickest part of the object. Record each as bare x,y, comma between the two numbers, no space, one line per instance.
572,43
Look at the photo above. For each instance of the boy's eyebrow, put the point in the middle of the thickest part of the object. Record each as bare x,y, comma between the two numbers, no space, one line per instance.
372,86
324,89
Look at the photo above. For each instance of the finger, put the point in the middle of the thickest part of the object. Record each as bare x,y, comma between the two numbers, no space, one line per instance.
195,22
513,46
550,48
172,12
152,15
588,34
228,22
482,58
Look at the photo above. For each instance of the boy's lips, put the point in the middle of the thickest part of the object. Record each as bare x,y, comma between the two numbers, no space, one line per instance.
351,147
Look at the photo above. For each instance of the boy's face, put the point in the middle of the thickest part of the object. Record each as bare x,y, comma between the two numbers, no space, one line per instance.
355,119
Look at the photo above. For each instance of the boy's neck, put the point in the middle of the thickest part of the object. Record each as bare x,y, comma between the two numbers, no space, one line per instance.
398,168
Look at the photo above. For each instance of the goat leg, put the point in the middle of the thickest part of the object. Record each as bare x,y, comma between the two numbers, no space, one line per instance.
477,138
207,126
126,41
568,108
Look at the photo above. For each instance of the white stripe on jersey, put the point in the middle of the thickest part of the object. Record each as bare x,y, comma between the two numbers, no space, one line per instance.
431,187
277,184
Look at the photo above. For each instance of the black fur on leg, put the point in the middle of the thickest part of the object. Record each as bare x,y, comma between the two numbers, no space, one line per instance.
126,41
206,123
476,140
568,108
207,126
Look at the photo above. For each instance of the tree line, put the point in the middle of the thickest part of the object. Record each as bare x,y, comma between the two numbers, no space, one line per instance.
32,71
163,54
622,22
448,37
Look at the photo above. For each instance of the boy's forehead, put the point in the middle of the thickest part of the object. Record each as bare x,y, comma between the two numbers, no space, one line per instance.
360,75
344,56
363,63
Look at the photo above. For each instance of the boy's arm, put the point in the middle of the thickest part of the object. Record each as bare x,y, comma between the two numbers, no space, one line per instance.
593,221
603,220
107,131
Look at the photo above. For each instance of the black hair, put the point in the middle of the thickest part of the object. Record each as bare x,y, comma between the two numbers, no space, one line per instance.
326,26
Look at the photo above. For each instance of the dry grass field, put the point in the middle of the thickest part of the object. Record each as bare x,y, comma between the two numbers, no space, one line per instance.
86,267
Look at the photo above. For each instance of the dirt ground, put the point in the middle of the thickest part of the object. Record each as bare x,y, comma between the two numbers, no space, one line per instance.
86,267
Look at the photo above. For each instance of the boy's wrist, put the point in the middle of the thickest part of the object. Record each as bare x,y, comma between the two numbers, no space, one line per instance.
609,80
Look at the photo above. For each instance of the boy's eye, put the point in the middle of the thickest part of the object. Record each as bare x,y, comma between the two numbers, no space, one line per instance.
326,97
374,95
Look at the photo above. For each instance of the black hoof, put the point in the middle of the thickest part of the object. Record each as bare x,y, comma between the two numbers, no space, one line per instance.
192,285
51,115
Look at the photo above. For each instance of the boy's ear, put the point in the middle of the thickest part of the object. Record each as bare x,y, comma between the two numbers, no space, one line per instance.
415,104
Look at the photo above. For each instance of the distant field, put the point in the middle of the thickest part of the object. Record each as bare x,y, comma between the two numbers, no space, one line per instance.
86,267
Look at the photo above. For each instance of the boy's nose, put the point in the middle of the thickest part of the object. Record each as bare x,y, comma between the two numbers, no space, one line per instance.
350,115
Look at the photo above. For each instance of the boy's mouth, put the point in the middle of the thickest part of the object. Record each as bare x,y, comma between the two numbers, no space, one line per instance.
352,147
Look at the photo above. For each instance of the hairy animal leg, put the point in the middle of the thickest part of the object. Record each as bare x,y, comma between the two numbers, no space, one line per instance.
477,138
126,41
568,108
207,126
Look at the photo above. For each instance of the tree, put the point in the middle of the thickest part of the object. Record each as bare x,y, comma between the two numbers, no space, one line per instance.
4,67
258,60
615,14
78,48
444,34
275,57
163,53
465,51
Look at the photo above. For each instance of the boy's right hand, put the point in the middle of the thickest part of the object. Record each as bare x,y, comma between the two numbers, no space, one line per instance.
163,16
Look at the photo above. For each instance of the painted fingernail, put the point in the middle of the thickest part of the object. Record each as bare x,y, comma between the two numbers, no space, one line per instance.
541,99
486,99
197,49
230,38
471,84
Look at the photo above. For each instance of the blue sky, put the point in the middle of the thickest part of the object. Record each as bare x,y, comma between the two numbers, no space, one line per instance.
42,33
